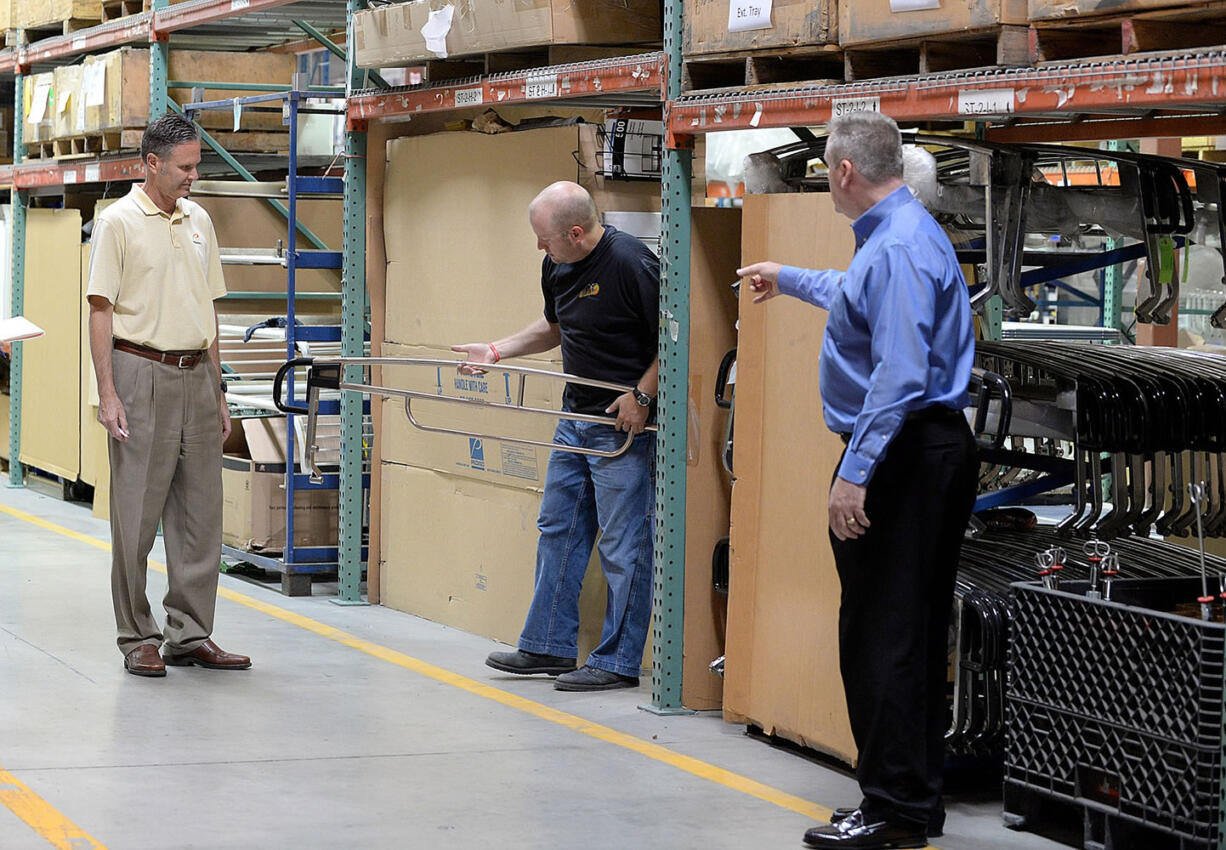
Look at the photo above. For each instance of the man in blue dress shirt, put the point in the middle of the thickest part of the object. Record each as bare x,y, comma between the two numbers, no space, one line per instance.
895,363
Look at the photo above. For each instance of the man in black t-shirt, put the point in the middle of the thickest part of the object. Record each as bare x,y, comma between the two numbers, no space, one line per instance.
601,289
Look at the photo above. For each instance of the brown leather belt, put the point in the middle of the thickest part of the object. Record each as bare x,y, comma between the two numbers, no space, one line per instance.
182,359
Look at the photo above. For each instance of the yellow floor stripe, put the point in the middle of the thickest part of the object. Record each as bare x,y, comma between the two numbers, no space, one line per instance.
693,766
42,817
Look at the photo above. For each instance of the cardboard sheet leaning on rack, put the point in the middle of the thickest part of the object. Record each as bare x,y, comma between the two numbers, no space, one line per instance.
326,374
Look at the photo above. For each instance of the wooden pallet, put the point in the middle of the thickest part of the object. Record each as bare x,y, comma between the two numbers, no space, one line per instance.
29,35
772,66
112,9
1182,28
70,147
39,150
1003,45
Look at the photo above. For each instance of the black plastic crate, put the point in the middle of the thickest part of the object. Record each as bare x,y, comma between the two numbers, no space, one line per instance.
1118,705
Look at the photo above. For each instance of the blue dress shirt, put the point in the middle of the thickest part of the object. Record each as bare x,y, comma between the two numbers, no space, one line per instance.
899,336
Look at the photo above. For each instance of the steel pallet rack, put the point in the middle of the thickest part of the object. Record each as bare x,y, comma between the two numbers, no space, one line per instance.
205,24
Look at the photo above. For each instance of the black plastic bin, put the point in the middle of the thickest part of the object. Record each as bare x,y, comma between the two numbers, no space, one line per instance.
1117,706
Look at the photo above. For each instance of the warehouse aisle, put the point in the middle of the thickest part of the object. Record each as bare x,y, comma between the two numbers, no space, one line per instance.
356,728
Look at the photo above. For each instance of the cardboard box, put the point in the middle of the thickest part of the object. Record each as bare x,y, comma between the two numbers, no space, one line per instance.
6,15
42,13
390,36
38,112
69,118
868,21
715,240
253,484
1044,10
462,553
124,85
51,405
495,461
782,670
469,269
794,23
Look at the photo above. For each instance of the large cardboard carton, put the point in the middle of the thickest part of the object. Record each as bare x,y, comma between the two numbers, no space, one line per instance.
868,21
51,406
38,112
119,93
794,23
391,35
462,553
69,118
715,239
253,487
497,461
462,259
782,671
41,13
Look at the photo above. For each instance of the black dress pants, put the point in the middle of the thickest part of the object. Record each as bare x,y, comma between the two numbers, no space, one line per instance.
897,592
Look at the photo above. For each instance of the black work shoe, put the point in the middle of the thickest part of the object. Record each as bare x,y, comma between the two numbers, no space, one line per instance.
588,678
936,825
527,663
852,833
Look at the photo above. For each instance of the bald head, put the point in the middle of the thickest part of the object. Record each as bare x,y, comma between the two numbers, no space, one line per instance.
563,205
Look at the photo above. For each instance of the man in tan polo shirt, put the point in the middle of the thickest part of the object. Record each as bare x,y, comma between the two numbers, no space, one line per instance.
154,274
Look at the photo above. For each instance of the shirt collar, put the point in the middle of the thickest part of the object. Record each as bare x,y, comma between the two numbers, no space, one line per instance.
148,207
879,212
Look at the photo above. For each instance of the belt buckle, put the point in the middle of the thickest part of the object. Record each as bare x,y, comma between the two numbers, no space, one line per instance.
184,357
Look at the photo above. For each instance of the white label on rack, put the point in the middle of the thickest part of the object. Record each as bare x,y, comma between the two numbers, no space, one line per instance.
543,86
78,43
744,15
93,174
470,97
70,176
841,106
985,102
235,5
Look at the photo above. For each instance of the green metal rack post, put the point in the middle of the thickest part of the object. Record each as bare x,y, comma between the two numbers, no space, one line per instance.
17,472
353,338
159,63
667,616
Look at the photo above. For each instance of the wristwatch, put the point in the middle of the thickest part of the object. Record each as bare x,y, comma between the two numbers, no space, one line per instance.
642,398
224,386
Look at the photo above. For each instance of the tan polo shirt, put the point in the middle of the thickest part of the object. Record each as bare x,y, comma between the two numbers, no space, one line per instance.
162,272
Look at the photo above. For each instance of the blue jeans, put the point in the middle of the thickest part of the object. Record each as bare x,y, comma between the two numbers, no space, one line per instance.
583,493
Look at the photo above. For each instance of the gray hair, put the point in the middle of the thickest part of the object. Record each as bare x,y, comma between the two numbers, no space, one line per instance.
165,134
871,141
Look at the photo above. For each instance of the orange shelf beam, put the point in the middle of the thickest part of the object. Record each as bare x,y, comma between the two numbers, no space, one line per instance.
37,174
640,73
1126,87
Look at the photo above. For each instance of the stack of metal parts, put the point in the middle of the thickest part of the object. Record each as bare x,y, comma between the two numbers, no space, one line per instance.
984,604
1158,415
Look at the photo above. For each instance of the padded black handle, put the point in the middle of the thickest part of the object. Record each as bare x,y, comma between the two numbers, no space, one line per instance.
279,381
721,379
990,384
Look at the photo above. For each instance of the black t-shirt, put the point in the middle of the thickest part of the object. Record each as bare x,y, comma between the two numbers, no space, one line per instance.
607,306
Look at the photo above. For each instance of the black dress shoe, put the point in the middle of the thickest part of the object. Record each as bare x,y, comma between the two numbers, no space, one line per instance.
588,678
936,824
852,833
527,663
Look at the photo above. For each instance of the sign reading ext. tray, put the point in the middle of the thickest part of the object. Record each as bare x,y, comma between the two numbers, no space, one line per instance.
841,106
986,102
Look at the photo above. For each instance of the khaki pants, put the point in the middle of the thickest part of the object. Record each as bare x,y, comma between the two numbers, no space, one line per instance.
168,471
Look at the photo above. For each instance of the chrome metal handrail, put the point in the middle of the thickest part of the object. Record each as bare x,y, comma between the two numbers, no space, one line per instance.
326,373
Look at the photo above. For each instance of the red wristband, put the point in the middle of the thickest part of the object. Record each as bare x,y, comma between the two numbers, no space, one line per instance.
497,356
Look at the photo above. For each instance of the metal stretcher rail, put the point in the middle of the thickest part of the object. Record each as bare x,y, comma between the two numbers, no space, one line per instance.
326,374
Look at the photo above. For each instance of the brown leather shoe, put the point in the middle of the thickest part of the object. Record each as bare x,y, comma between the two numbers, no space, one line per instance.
144,661
209,655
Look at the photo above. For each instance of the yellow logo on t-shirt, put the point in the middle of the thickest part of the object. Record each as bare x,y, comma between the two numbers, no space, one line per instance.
590,289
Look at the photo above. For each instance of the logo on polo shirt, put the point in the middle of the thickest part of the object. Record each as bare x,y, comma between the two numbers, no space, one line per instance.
590,289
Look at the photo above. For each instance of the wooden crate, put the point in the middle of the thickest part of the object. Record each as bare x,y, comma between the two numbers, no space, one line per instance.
69,109
1184,27
38,94
795,23
41,14
125,99
1045,10
874,22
